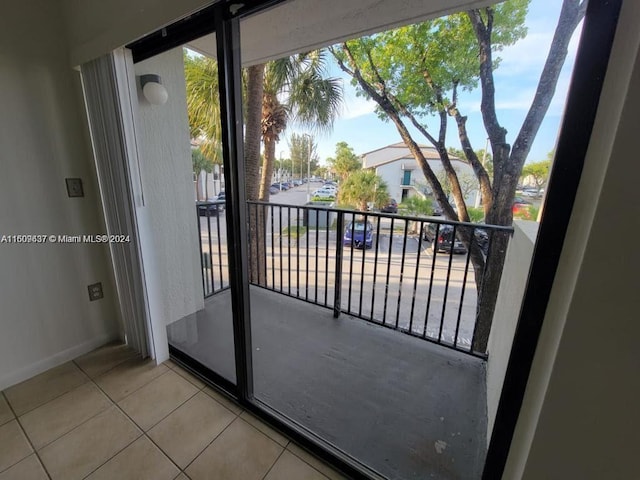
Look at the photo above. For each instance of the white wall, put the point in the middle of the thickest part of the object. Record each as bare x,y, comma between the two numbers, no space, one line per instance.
580,417
393,174
46,314
505,319
169,228
96,27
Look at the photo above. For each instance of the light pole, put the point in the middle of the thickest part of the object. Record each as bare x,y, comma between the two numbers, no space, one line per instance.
308,166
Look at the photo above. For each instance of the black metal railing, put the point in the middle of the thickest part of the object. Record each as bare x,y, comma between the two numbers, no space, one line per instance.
213,247
413,274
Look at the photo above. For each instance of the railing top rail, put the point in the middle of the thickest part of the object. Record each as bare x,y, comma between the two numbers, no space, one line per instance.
438,220
201,203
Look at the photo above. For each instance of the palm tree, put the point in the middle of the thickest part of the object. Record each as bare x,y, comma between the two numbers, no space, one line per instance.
201,163
362,188
203,104
295,89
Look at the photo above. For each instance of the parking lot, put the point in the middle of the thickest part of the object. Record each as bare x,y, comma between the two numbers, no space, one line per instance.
398,282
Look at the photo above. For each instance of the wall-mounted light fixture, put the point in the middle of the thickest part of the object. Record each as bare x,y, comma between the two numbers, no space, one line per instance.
153,90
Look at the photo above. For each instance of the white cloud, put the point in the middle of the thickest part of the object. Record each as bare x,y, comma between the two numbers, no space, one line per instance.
355,106
526,55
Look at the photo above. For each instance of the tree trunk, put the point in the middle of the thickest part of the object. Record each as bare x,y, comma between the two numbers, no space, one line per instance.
198,186
252,138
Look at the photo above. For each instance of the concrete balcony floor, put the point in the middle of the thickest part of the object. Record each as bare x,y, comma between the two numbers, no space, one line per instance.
405,407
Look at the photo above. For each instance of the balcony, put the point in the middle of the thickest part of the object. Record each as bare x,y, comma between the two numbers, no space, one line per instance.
371,349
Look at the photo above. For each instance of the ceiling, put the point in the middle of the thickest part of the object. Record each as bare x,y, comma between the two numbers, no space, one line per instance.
304,25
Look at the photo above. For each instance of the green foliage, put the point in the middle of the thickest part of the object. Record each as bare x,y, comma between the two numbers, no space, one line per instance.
361,188
539,171
200,162
313,99
301,148
322,199
475,214
203,103
345,161
445,48
294,232
416,205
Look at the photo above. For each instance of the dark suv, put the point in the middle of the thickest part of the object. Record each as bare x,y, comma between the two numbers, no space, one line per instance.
443,241
390,207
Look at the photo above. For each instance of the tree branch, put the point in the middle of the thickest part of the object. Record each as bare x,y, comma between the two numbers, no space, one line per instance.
497,133
390,109
571,14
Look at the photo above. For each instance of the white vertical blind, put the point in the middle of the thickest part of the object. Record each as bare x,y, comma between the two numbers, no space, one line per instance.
106,91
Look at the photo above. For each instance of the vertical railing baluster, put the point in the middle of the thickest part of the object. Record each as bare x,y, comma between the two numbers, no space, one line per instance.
317,217
464,284
404,251
386,286
375,266
297,251
210,245
337,294
202,262
273,250
353,221
434,247
415,280
255,275
446,283
326,260
364,250
263,234
220,268
280,249
288,249
306,234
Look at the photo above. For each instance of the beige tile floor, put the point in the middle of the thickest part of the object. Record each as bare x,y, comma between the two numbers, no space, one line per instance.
109,415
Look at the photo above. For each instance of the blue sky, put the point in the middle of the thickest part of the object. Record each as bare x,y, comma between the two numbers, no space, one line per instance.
516,80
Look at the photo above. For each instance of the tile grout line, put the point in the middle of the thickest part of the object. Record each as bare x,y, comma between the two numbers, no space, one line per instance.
134,356
133,391
35,452
144,434
274,463
53,398
312,456
215,438
114,404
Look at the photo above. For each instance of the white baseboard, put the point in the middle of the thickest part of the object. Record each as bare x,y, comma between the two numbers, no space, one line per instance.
28,371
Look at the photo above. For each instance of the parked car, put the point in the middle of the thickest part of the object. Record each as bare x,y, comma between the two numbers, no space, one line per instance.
324,193
390,207
207,209
445,232
530,192
359,234
274,190
443,241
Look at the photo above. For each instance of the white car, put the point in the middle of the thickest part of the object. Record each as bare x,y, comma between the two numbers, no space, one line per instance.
325,193
530,193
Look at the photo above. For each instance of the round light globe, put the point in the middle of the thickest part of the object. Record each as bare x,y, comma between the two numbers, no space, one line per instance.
155,93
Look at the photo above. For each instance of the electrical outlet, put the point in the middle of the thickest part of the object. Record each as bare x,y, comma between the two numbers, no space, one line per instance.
74,187
95,291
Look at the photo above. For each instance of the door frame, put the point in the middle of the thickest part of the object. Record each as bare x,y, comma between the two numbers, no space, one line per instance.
573,140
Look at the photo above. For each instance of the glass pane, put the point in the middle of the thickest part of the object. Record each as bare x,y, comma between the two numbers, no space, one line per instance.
184,135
